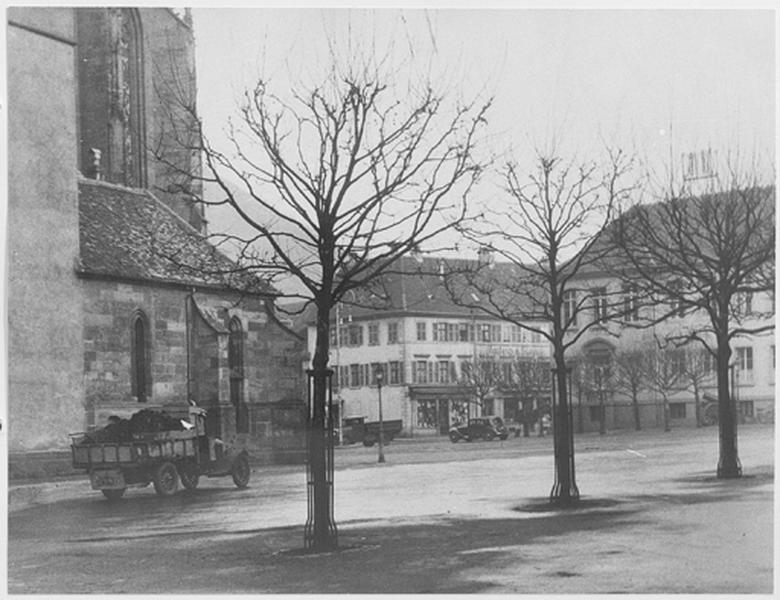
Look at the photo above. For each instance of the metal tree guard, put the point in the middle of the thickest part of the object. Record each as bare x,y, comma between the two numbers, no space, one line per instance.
725,469
320,532
380,376
572,493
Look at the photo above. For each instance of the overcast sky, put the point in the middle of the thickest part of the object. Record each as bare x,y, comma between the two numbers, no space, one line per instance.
622,76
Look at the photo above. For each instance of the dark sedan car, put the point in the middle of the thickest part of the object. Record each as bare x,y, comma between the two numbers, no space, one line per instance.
480,428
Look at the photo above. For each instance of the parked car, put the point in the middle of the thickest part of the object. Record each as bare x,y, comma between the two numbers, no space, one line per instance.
357,430
484,428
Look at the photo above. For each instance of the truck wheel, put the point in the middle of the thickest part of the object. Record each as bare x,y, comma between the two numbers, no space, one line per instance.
189,476
454,437
166,479
368,442
114,495
488,435
241,471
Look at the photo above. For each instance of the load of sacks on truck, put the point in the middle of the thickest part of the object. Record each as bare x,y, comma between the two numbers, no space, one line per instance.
123,430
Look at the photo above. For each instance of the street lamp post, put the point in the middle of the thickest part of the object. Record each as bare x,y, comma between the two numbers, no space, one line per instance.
602,416
379,377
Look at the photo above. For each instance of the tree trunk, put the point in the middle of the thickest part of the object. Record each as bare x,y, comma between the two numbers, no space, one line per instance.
321,530
564,491
635,402
667,425
729,466
697,404
527,417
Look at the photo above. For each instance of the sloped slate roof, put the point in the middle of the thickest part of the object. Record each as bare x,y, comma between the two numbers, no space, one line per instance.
413,285
129,234
610,260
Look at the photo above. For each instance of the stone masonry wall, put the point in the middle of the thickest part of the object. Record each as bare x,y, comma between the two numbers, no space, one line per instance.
45,391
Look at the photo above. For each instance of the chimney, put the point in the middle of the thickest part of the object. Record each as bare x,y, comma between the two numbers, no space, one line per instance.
485,255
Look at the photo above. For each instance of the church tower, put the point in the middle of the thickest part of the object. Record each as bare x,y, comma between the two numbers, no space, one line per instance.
136,99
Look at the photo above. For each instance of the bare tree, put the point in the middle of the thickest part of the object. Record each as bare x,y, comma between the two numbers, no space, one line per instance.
664,373
546,233
629,375
333,182
530,382
698,373
699,255
481,377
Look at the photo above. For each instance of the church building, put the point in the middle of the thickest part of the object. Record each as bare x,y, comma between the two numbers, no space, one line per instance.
105,313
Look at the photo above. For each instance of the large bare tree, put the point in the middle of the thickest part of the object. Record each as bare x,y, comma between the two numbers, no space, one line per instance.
333,182
699,255
544,236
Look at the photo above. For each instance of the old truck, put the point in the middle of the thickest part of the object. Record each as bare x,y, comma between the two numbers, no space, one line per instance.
356,430
162,458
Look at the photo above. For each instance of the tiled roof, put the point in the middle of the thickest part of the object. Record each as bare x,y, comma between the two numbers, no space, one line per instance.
129,234
412,285
610,260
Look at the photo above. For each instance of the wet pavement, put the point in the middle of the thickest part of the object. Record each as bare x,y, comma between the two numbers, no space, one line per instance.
436,517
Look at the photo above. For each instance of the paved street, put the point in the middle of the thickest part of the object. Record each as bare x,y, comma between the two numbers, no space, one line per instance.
436,517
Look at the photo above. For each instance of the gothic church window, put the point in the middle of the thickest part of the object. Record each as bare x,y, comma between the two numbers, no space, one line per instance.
125,98
236,367
141,381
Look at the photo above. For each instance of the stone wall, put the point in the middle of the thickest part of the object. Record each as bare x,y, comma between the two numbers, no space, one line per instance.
270,363
45,390
109,308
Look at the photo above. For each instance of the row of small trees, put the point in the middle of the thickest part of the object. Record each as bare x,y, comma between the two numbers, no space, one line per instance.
661,371
631,373
334,181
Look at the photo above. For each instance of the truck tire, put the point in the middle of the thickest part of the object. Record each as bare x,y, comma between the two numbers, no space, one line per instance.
166,479
241,471
188,475
114,495
368,442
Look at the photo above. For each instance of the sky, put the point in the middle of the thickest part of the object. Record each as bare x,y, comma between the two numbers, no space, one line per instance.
659,83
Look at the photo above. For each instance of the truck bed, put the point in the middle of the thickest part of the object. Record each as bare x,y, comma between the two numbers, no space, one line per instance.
145,447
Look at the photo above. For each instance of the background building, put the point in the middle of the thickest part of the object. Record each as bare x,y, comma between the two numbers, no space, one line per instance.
441,362
622,357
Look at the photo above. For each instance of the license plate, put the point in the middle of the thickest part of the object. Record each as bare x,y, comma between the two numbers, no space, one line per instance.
108,480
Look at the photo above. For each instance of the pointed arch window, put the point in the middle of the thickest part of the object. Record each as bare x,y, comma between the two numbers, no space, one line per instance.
140,363
236,368
126,124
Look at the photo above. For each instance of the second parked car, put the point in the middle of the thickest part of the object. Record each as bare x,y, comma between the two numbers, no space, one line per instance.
480,428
